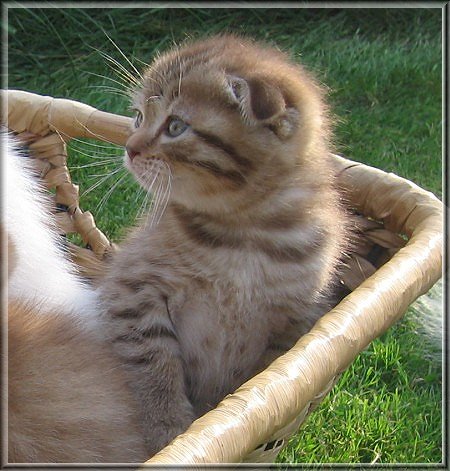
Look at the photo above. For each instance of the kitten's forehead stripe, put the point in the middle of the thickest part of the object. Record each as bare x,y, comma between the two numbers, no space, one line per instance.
171,70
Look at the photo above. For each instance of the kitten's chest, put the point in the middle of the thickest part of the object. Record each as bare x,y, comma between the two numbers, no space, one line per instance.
221,305
221,336
213,310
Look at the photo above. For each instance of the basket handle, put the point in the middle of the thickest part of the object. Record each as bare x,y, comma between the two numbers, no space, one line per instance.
42,115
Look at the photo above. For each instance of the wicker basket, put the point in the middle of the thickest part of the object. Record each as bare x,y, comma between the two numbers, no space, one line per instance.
398,257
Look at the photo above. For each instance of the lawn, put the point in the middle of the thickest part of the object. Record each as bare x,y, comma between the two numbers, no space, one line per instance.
383,70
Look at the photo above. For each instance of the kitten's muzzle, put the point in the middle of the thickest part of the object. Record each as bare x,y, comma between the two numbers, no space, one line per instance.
138,143
132,153
145,155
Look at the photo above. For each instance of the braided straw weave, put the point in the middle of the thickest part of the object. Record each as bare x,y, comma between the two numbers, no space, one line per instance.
397,257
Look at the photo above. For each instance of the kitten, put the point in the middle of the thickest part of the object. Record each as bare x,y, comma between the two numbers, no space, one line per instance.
243,259
67,401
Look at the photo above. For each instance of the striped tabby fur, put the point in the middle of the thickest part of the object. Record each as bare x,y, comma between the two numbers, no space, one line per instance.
243,259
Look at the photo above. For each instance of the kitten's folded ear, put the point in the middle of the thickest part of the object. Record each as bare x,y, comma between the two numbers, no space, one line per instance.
262,101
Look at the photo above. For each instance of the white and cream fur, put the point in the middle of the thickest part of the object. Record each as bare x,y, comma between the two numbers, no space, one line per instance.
42,273
67,400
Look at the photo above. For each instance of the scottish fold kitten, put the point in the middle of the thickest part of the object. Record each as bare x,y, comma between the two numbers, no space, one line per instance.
241,257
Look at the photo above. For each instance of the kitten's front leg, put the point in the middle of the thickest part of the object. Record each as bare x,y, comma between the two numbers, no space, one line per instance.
147,343
158,381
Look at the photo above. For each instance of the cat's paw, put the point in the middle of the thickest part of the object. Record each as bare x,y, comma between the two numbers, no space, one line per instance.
160,434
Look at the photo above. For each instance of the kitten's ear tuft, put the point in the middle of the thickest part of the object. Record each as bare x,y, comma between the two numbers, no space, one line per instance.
257,99
262,102
238,90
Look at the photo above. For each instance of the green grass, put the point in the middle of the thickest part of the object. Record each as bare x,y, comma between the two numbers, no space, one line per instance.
383,70
387,406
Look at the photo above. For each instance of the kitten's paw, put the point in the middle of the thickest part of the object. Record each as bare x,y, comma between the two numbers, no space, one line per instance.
161,434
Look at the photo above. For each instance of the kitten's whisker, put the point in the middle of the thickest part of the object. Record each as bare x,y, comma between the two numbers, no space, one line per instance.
120,70
99,182
155,191
94,164
117,67
158,200
121,84
149,193
143,63
162,191
127,83
166,195
181,72
107,173
139,194
162,204
103,156
157,195
169,191
124,56
163,194
98,159
93,187
149,173
144,209
116,91
95,160
154,169
113,147
71,139
144,206
110,191
152,80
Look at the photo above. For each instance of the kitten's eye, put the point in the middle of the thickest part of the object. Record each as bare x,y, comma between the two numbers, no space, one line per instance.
138,119
176,126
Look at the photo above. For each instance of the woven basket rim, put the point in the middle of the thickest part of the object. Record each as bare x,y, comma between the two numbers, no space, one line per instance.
291,385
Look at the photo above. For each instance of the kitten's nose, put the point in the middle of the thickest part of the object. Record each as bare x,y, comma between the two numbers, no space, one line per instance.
131,152
138,143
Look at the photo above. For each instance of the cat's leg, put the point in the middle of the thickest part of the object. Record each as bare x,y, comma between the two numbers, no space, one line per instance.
158,381
146,341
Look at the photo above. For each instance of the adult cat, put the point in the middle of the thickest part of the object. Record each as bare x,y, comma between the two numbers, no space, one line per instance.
67,400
